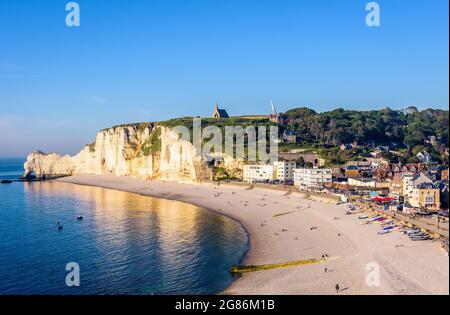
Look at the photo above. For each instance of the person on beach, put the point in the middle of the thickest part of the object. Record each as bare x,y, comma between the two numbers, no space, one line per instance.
326,269
337,288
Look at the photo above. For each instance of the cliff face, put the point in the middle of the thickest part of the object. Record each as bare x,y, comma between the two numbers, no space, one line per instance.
140,150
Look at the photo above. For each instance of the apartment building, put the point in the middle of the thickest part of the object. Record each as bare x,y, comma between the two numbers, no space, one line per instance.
411,180
425,195
305,178
258,172
284,170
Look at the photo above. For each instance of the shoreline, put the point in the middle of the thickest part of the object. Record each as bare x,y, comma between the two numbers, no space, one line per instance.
248,235
283,228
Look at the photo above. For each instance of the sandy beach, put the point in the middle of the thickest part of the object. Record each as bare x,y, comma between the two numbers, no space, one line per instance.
306,229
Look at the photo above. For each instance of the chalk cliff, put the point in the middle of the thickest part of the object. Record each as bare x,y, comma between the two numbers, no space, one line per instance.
145,150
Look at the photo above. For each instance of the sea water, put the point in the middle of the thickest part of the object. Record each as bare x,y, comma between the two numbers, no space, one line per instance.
125,243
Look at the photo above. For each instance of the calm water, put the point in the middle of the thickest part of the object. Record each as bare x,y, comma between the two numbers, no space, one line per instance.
126,243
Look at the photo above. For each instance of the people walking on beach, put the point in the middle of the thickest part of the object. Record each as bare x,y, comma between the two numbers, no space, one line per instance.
337,288
326,269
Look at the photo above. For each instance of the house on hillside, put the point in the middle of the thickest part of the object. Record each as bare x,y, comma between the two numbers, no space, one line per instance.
424,157
290,136
348,146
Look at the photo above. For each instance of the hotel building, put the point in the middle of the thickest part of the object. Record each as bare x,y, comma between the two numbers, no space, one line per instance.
426,195
258,172
284,170
305,178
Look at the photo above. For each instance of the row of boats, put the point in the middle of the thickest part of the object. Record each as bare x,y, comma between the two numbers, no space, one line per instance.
388,226
352,209
416,234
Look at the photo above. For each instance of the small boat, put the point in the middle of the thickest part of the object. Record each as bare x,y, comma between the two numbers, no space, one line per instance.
384,232
6,181
417,234
390,227
420,238
80,217
413,232
363,217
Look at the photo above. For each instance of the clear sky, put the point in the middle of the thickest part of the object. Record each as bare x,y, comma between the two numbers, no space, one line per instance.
133,61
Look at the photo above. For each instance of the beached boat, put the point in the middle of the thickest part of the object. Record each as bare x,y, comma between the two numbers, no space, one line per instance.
420,238
412,232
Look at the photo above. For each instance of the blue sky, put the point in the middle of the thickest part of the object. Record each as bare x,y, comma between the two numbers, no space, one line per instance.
136,60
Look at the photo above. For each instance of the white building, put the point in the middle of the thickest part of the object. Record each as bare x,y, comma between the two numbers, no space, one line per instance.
407,184
305,178
410,181
258,172
362,182
284,170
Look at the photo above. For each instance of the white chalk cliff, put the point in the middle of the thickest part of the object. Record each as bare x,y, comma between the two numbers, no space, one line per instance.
145,150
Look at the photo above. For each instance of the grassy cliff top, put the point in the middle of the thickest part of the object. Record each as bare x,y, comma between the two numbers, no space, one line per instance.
244,121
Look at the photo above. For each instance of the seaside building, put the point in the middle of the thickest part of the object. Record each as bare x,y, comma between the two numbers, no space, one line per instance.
258,172
396,184
219,113
362,182
426,195
284,170
367,182
411,180
309,178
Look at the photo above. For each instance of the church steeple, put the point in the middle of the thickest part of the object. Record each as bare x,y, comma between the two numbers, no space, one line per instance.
274,111
219,113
